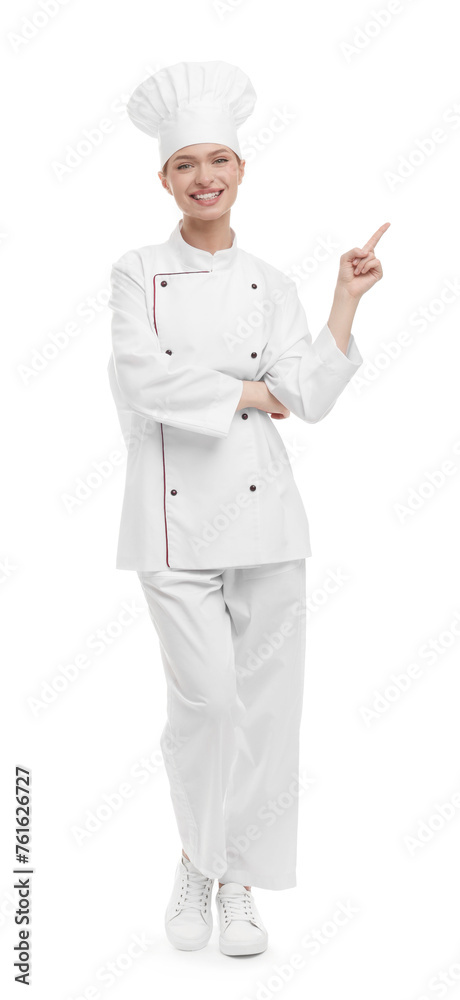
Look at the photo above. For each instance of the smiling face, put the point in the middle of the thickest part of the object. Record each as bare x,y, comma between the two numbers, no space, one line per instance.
204,168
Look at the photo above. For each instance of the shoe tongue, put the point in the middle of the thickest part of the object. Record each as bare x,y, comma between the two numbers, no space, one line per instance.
232,888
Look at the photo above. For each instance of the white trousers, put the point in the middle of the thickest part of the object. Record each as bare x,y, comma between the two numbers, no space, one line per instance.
232,643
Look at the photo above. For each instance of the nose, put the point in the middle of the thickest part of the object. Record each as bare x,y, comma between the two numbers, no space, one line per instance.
204,175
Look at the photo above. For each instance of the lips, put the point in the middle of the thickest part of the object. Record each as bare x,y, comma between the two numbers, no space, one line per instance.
211,200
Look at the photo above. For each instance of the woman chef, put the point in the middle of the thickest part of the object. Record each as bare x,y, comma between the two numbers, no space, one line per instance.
210,346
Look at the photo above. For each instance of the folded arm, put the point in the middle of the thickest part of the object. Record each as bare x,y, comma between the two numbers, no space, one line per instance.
152,383
307,377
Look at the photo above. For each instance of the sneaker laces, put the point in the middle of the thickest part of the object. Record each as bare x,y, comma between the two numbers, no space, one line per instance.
238,906
193,888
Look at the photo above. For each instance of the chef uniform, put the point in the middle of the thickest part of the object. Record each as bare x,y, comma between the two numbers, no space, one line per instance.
212,519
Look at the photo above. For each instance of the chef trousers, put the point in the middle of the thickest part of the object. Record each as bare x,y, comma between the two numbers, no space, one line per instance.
232,643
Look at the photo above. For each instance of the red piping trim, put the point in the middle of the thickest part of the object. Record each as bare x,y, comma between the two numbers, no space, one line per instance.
161,425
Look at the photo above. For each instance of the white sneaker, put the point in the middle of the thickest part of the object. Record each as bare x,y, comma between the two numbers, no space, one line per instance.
188,917
241,929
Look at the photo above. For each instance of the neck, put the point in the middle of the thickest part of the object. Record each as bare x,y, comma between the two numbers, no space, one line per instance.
207,234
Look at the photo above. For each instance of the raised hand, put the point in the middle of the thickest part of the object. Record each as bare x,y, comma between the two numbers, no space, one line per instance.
359,268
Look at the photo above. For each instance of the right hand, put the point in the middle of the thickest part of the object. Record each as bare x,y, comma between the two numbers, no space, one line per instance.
257,394
273,406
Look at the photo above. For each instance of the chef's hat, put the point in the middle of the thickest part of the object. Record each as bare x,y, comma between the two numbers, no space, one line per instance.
193,102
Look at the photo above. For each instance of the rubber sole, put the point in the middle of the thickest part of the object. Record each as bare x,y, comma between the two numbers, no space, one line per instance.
184,944
233,948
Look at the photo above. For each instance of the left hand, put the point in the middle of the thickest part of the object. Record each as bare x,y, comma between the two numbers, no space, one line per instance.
359,268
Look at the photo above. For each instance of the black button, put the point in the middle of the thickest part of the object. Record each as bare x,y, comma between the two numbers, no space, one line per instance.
244,416
168,351
254,354
164,283
252,487
253,286
174,492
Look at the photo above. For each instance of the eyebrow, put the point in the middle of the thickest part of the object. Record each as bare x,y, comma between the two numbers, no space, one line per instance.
214,153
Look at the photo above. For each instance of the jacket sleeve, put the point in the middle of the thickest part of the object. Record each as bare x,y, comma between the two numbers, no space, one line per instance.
307,377
152,382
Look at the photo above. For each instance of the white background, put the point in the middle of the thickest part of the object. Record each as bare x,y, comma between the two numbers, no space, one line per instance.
363,95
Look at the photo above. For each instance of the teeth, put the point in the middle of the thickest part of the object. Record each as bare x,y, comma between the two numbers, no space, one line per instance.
207,196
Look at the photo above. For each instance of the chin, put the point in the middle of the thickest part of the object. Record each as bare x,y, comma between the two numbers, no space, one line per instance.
198,213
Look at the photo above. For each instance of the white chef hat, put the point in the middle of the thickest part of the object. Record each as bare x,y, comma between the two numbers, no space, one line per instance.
193,102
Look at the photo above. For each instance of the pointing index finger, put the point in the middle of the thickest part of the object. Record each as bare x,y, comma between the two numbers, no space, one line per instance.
372,242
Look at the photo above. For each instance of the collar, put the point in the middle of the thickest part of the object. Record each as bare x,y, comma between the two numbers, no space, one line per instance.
196,259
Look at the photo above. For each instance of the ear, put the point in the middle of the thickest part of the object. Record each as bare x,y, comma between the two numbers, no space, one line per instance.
163,181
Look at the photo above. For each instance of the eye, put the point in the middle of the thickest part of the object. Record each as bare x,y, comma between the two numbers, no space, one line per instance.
223,159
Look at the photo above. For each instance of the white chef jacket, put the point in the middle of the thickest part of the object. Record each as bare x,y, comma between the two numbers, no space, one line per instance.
206,485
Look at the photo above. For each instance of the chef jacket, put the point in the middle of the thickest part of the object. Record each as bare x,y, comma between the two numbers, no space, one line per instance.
208,485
